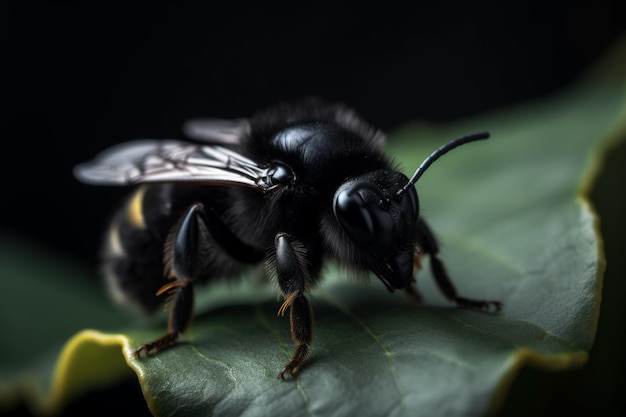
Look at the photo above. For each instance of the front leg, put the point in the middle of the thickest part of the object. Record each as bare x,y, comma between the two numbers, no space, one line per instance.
429,245
293,278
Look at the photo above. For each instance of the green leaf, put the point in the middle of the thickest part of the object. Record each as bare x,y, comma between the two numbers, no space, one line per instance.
45,300
514,224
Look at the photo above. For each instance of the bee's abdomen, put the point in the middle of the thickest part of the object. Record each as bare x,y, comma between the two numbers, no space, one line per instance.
133,248
133,252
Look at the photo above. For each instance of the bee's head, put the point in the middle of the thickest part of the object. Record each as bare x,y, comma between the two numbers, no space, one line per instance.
381,222
379,211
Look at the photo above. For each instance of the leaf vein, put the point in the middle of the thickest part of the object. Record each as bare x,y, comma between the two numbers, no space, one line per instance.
307,401
260,315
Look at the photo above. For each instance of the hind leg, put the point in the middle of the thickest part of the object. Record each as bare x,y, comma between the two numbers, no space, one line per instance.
185,260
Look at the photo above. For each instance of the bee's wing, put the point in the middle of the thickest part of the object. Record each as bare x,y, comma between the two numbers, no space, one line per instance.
216,131
145,161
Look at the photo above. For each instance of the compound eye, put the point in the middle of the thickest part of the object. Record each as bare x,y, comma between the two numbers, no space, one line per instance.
353,209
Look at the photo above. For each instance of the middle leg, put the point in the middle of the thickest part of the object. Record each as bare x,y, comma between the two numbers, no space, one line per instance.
429,245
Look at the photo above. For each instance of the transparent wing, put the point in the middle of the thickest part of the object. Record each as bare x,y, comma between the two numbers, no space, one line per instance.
216,131
147,161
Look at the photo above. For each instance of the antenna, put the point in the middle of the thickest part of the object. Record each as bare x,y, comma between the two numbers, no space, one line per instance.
439,152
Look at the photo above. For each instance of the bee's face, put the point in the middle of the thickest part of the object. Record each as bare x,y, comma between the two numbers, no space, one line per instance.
371,212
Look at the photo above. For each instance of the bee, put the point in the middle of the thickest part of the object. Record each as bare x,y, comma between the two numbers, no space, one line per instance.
292,186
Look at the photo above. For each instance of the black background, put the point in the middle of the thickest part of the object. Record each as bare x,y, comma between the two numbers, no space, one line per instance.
81,76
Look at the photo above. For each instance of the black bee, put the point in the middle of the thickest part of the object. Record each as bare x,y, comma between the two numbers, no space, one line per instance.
293,185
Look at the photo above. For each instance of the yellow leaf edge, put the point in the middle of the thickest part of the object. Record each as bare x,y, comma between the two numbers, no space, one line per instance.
90,359
528,357
68,381
572,360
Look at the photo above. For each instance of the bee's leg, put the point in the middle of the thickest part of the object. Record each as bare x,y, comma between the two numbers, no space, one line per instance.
293,276
182,260
429,245
185,258
227,241
180,315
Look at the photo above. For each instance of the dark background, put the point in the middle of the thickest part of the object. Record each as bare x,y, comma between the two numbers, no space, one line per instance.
81,76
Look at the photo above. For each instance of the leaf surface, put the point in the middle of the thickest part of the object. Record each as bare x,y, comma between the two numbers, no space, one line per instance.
514,226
